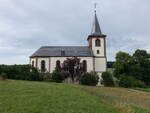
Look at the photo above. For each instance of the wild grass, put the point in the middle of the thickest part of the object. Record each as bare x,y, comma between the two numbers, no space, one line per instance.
45,97
126,100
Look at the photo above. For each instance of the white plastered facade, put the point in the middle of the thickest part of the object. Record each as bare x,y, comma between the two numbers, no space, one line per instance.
50,62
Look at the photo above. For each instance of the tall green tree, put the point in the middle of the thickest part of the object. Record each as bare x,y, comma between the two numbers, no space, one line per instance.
122,64
142,66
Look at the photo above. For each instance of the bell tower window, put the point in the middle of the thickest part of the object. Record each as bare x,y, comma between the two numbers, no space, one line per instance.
97,43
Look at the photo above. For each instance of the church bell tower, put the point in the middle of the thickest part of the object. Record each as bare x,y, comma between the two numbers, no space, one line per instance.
97,43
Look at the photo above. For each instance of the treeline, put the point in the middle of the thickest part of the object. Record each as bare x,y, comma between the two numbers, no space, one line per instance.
20,72
129,70
110,64
27,72
136,67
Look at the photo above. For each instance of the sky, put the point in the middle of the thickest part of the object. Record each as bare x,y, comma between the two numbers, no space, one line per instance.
26,25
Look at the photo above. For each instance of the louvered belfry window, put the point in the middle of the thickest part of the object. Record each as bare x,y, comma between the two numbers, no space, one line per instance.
97,42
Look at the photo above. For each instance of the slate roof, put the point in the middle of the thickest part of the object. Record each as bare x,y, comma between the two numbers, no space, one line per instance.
96,30
63,51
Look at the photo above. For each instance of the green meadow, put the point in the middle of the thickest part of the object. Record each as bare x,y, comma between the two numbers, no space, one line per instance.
46,97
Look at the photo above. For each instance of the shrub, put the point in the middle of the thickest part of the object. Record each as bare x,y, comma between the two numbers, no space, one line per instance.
107,79
57,76
139,83
89,79
3,76
46,76
129,81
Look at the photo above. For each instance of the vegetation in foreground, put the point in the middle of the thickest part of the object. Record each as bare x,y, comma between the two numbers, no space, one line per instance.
44,97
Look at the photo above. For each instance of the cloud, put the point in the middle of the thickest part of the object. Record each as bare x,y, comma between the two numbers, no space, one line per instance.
25,25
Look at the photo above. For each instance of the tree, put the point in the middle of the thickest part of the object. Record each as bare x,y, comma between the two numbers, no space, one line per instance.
107,79
122,64
72,68
142,66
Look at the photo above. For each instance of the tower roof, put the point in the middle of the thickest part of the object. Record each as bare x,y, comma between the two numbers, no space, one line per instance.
96,30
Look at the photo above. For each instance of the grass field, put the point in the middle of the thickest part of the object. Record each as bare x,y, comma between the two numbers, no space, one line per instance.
44,97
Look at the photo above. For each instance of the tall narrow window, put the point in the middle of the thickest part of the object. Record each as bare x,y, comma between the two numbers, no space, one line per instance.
32,64
84,66
97,51
43,68
97,42
58,64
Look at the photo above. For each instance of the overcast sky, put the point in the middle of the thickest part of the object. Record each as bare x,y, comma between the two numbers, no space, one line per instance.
26,25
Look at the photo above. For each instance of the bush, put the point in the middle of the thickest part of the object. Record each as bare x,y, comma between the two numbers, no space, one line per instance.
3,76
107,79
46,76
129,81
89,79
57,76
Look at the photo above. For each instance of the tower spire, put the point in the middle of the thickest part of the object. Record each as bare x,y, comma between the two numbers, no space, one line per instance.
96,30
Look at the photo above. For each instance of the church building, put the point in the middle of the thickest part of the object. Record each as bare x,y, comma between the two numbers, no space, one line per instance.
93,55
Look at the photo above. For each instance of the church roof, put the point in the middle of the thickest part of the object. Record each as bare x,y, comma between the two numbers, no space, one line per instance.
96,30
63,51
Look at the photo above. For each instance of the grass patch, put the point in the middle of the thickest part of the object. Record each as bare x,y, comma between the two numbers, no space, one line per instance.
143,89
44,97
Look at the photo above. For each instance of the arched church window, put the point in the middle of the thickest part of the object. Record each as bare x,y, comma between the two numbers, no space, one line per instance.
97,42
32,64
98,52
43,67
84,66
58,64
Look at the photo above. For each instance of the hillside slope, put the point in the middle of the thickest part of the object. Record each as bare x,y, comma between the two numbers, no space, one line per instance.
44,97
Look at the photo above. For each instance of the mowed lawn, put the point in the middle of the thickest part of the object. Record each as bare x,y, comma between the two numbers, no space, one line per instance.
45,97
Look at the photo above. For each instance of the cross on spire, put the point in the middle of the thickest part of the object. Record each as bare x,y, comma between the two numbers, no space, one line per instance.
95,5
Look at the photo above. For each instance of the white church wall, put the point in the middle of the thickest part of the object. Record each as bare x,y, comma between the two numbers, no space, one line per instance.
101,48
33,60
47,63
90,65
53,62
100,64
62,59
